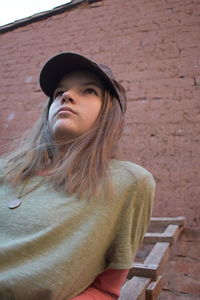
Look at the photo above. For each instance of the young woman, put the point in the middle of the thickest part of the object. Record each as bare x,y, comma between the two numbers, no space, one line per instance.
72,216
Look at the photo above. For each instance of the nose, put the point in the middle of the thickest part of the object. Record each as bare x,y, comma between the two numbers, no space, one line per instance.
67,97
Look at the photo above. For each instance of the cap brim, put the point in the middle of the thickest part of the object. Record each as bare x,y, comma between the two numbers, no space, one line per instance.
64,63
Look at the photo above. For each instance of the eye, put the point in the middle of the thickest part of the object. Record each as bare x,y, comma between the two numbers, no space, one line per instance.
91,91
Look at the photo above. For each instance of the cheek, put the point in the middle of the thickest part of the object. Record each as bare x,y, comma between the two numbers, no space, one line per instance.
51,112
91,116
96,110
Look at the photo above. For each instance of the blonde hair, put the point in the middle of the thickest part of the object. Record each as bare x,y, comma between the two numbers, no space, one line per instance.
83,166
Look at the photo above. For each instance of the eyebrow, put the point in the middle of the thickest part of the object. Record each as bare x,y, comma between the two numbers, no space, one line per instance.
92,83
83,83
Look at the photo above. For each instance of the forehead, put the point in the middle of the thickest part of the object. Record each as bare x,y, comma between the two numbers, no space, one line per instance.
81,77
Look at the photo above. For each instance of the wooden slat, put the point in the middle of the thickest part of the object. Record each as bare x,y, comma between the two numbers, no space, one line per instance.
143,270
164,221
173,231
153,264
158,255
154,289
135,289
145,280
170,235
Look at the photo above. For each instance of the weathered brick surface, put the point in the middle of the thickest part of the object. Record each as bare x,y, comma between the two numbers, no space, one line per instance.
153,48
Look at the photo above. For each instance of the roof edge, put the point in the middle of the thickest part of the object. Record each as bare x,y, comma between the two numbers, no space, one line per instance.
40,16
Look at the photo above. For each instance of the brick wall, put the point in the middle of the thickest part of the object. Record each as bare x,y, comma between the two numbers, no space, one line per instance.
153,47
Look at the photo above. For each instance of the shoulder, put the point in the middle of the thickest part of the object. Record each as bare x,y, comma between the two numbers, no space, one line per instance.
133,185
129,173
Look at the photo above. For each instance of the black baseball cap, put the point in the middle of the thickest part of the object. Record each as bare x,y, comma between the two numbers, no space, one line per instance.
60,65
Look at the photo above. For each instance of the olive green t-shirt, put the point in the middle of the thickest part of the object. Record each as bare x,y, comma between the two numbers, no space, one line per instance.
53,246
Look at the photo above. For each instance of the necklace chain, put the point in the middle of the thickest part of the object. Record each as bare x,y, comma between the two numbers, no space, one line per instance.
31,190
16,202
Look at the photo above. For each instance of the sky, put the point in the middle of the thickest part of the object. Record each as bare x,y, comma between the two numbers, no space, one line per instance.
12,10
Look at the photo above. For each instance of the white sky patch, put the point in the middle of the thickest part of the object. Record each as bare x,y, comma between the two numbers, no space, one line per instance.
12,10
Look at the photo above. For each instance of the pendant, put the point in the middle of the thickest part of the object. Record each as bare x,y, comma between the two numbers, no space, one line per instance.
14,203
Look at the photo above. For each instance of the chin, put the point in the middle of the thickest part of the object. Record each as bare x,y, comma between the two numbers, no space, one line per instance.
62,127
64,133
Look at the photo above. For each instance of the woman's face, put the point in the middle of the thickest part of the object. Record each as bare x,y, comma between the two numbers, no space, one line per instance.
77,101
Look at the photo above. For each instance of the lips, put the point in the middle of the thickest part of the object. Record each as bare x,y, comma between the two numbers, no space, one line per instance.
66,109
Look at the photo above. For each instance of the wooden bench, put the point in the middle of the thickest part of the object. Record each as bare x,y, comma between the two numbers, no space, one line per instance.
144,281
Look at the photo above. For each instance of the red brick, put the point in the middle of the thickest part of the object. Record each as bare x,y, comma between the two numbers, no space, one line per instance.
176,296
181,274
